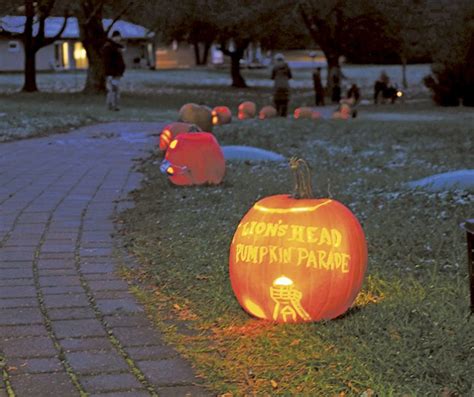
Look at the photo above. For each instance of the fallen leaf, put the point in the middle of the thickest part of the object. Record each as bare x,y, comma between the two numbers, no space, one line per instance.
274,384
295,342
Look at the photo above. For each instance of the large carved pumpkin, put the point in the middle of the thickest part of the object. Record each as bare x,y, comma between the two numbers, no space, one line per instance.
196,114
170,130
221,115
267,112
247,110
296,258
305,112
194,159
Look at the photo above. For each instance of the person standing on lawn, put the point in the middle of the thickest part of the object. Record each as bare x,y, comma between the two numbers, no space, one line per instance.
114,69
318,87
281,74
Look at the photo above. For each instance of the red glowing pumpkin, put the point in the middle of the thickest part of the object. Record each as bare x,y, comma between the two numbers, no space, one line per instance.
297,259
170,130
267,112
306,113
247,110
196,114
194,159
221,115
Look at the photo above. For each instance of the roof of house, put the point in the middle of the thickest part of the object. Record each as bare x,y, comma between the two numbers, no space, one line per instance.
15,25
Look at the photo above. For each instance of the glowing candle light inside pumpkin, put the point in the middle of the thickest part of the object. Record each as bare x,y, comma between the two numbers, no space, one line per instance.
283,281
215,118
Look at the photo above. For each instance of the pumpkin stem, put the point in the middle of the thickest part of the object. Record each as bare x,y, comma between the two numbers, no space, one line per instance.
302,178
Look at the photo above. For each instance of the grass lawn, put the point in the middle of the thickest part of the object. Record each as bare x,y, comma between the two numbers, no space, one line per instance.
156,96
408,333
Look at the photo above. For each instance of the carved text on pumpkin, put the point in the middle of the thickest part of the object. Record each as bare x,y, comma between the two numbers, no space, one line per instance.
298,233
298,256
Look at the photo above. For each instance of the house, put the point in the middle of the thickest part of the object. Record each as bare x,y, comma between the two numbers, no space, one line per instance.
180,55
68,53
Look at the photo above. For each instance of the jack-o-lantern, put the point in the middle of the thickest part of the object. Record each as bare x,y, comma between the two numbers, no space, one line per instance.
194,159
221,115
267,112
196,114
306,112
247,110
170,130
297,258
344,112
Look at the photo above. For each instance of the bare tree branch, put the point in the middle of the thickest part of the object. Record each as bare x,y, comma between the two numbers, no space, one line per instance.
129,5
98,7
51,40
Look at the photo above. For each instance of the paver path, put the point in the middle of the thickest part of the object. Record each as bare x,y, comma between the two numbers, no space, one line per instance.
68,325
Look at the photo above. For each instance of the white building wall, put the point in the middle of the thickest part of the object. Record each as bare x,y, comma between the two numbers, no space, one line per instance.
13,60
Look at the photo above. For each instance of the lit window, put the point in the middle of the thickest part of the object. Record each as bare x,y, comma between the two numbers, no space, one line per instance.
65,54
80,56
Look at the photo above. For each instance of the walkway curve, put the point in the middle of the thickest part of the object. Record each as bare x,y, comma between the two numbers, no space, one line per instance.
68,325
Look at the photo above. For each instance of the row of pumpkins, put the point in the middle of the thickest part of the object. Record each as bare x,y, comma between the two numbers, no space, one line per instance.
293,258
199,159
206,117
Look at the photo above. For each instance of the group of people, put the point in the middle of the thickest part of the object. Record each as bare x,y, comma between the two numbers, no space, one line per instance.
281,74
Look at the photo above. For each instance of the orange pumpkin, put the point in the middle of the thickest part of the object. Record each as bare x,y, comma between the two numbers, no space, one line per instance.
221,115
194,159
297,258
267,112
170,130
344,112
196,114
305,112
247,110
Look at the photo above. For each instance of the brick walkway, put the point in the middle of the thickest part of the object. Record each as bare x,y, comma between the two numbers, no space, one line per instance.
68,325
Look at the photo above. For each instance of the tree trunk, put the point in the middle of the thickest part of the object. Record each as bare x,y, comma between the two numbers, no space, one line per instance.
29,50
237,79
30,72
93,37
404,72
334,71
197,53
205,55
95,81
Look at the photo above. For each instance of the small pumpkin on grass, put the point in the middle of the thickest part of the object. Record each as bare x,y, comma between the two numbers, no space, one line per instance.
194,159
344,112
170,130
295,258
267,112
221,115
196,114
247,110
306,112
